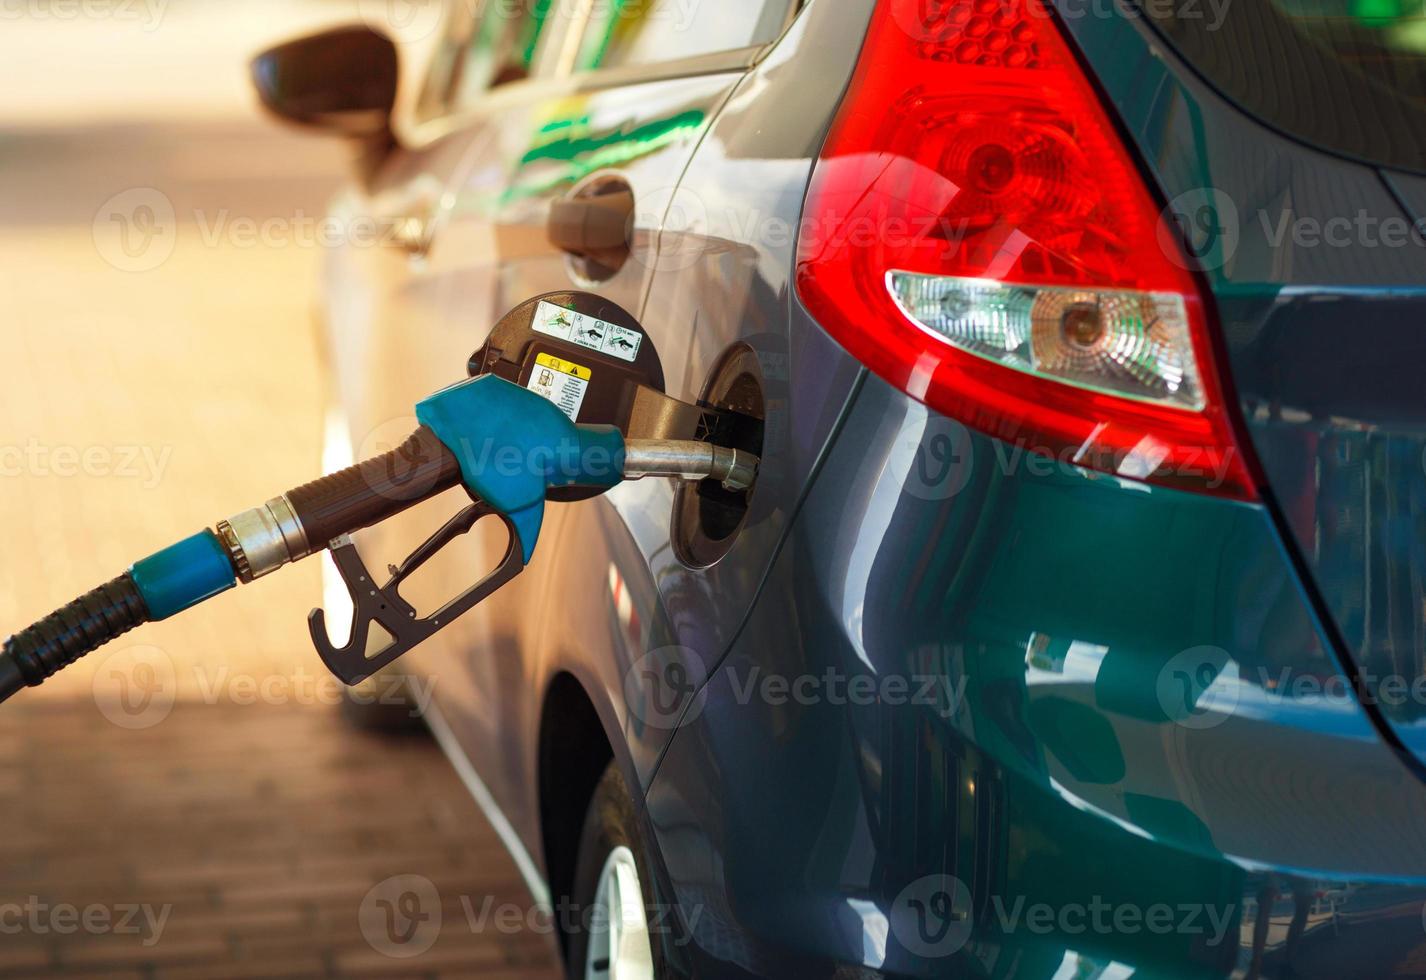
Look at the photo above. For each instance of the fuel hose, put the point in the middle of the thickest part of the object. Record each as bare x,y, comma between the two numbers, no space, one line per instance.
242,548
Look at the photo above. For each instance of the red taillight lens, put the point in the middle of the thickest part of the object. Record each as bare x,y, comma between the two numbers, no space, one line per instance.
978,235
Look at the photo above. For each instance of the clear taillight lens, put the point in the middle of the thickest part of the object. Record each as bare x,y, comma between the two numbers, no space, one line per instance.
1119,342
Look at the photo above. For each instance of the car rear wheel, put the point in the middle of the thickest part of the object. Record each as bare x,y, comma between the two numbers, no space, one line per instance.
611,937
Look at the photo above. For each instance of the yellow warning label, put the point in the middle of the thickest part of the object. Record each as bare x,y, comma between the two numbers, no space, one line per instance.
564,367
561,382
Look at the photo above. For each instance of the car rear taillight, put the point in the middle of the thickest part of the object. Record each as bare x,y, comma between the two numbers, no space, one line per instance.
977,234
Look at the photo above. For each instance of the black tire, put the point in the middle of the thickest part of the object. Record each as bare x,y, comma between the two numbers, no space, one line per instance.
611,822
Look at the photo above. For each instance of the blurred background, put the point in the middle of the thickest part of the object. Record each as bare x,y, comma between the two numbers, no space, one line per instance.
192,803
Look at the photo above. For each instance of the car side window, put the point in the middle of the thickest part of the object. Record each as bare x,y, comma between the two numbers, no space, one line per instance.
500,49
643,32
441,72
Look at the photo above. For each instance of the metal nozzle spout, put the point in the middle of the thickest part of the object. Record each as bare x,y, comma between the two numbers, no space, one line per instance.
687,460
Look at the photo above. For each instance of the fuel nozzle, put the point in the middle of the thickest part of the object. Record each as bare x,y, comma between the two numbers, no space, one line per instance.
569,405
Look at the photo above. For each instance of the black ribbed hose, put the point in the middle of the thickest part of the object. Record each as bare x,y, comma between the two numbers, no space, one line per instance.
67,634
342,503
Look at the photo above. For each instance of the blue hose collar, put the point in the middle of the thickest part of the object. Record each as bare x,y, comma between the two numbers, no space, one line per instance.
183,575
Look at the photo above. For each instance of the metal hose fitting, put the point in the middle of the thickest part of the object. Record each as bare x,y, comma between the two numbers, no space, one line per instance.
262,540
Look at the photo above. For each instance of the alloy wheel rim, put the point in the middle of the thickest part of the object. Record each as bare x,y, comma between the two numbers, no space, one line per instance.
619,943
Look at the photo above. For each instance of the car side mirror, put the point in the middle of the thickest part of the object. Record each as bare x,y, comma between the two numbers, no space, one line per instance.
341,81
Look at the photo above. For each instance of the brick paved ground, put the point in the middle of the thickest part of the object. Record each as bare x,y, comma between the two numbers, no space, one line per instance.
261,829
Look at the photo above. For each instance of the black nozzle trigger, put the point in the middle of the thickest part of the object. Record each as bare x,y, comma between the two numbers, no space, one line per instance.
385,606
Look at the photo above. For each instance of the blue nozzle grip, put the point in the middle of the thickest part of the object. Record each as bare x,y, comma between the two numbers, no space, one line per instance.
514,446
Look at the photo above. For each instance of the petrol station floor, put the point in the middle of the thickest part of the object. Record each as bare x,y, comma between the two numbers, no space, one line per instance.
237,841
188,802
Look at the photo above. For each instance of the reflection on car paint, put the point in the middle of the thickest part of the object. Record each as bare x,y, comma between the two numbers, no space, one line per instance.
578,148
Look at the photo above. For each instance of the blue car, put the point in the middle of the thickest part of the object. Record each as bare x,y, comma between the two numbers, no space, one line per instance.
1076,624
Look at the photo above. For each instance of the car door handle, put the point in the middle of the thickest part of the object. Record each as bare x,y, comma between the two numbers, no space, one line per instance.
597,226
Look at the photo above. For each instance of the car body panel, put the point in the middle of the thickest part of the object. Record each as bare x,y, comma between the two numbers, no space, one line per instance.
1020,628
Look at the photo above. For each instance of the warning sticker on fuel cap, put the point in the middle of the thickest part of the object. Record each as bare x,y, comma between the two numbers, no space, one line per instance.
561,382
588,331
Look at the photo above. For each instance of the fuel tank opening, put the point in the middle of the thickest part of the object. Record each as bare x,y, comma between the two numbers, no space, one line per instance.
707,516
